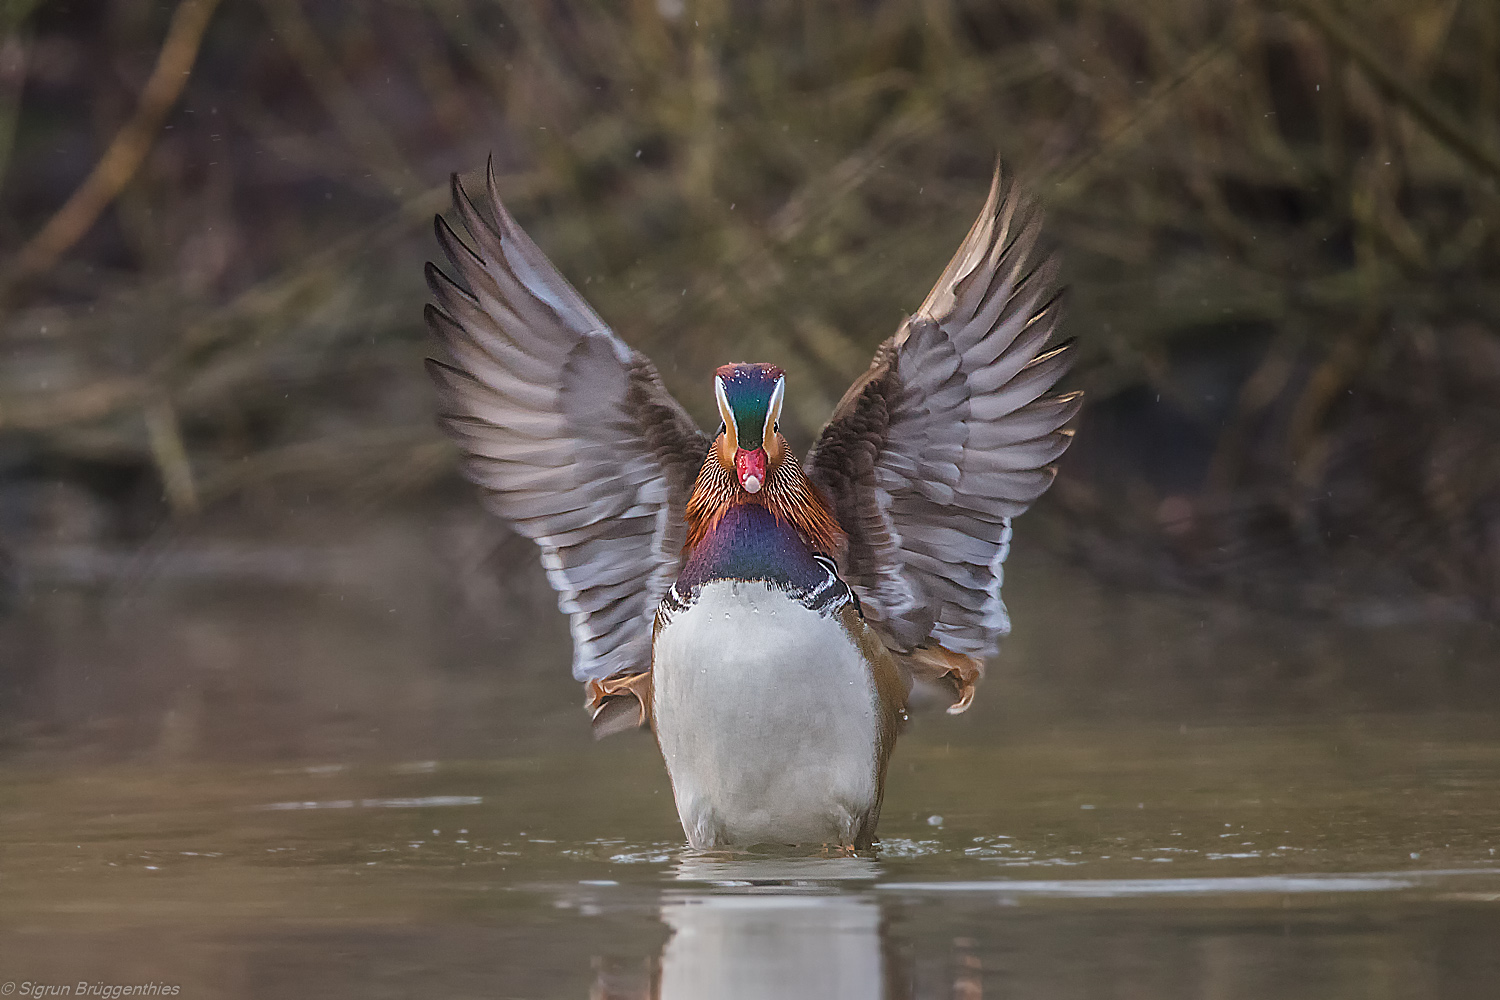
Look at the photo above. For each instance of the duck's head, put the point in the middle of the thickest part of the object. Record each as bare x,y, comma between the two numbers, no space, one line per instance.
750,444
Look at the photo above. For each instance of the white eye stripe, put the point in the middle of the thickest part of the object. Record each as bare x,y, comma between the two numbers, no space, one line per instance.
773,410
725,413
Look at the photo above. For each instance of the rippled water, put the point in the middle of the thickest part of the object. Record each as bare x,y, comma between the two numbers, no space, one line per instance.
1292,860
331,788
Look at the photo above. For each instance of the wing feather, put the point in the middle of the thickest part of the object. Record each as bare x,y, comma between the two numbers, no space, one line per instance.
948,436
492,341
569,432
1036,420
1034,378
992,369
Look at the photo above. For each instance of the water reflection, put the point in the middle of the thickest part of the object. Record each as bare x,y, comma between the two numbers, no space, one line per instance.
775,943
773,927
791,870
833,928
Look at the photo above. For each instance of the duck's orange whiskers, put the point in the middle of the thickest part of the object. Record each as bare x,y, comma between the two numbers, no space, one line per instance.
788,494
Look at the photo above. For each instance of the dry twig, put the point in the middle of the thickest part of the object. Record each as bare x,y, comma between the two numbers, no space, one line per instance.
128,149
1419,105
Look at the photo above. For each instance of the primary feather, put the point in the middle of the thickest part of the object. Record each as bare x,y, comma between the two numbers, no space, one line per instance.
948,436
570,432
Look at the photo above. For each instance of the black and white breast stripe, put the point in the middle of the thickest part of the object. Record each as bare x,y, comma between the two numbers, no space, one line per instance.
827,597
830,596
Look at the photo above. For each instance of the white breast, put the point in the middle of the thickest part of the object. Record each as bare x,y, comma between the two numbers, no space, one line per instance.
766,714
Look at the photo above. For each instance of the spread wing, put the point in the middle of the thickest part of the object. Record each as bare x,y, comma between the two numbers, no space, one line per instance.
946,438
570,433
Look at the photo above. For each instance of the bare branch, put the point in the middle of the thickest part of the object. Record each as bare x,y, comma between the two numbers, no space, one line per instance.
128,149
1442,125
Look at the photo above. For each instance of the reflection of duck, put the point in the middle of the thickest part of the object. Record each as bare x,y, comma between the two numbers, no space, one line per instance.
846,870
792,602
782,933
791,947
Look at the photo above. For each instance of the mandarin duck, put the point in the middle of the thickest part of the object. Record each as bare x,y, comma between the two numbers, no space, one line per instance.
764,617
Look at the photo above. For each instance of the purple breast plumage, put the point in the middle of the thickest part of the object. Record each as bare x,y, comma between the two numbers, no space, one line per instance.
749,543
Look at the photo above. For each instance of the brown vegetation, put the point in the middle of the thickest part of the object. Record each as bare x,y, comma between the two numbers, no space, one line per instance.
1281,223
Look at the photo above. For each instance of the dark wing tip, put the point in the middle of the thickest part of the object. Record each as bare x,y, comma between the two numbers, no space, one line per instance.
442,329
1052,365
1058,300
446,375
456,189
1071,402
1060,348
507,222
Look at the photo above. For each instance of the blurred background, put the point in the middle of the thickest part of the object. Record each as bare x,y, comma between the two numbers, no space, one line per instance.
230,533
1280,224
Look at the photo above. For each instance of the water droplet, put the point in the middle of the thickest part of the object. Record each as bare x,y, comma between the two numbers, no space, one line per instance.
934,820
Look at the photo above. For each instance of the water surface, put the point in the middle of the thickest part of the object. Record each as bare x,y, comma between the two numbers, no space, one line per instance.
1282,860
351,783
